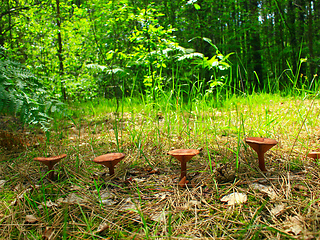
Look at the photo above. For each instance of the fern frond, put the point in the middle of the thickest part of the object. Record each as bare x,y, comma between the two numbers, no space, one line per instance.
21,93
190,56
96,66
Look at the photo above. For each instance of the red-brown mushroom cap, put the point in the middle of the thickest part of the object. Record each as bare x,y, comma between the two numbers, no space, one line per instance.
183,155
50,161
110,159
314,155
261,145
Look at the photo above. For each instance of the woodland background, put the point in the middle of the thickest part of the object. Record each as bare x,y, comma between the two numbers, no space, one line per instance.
79,50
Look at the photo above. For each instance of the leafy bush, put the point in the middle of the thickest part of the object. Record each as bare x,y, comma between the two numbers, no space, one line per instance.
22,94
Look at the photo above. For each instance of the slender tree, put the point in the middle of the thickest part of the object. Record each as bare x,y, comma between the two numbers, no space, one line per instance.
255,44
310,39
60,50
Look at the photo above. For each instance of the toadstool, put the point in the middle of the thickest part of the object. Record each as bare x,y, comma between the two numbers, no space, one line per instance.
261,145
50,162
314,155
110,160
183,182
183,156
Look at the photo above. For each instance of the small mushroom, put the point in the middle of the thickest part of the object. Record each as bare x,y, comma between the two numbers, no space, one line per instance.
50,162
314,155
261,145
183,155
183,182
110,160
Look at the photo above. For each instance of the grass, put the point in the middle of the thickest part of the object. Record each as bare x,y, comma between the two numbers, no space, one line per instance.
143,200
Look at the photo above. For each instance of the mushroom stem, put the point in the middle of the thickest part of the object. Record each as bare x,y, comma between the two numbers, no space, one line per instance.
109,160
183,156
51,172
261,146
262,164
183,169
111,170
50,162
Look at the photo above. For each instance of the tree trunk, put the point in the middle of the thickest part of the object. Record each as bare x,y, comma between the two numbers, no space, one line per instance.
310,41
292,35
255,45
60,50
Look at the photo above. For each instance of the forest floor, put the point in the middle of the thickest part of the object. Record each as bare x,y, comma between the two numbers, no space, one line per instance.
226,197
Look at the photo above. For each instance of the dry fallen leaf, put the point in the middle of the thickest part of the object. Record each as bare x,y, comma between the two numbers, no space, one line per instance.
295,226
36,186
154,171
31,219
128,205
48,233
19,187
75,188
278,209
48,203
102,227
72,198
104,195
131,208
108,202
138,180
20,196
234,198
2,182
158,216
192,204
265,189
160,196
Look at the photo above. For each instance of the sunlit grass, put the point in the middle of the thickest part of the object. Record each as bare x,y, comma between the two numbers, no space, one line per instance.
145,132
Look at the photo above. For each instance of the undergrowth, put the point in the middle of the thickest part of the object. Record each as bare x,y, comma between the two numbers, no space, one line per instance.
143,200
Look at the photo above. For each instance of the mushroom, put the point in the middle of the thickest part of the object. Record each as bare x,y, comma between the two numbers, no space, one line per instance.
261,145
183,182
110,160
50,162
183,155
314,155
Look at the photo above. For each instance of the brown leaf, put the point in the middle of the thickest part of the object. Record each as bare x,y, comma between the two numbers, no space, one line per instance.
278,209
2,182
102,227
31,219
158,216
72,198
48,204
296,227
48,233
154,171
234,198
266,190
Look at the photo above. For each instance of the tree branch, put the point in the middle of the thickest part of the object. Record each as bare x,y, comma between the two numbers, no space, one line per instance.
12,10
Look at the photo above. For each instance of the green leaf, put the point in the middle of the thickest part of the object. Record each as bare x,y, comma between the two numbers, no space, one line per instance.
197,6
191,56
208,40
302,60
109,55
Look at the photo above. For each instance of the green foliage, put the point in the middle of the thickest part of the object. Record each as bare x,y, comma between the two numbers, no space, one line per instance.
148,42
106,78
21,93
